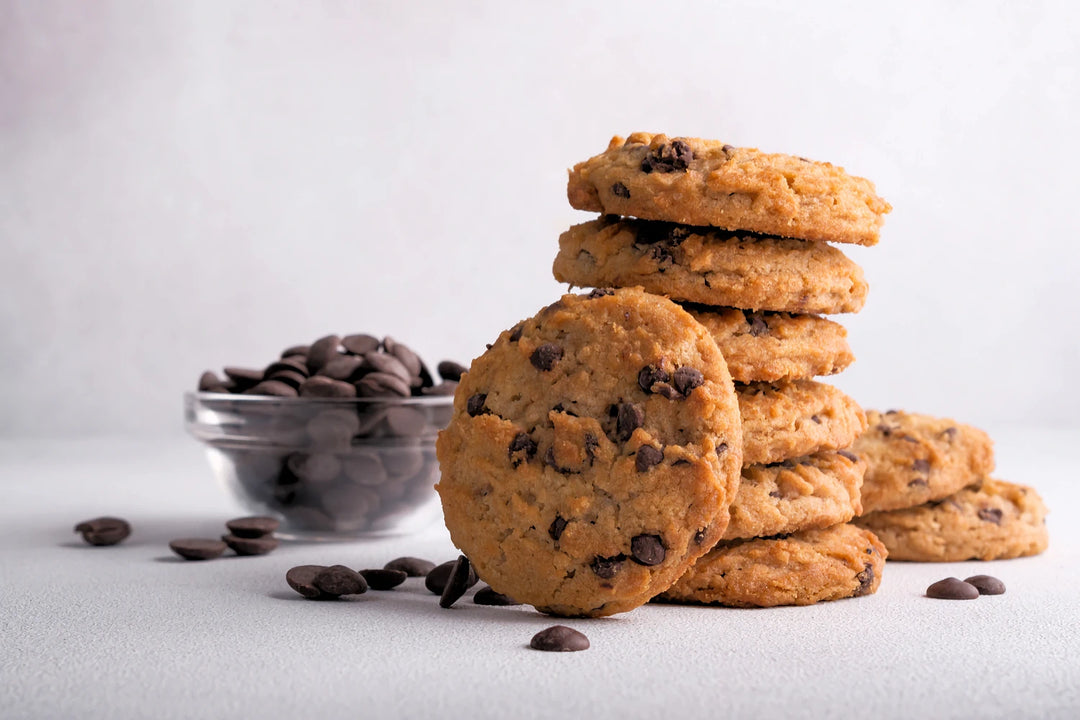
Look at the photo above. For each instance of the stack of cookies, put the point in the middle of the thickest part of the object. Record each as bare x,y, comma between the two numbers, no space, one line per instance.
741,239
929,496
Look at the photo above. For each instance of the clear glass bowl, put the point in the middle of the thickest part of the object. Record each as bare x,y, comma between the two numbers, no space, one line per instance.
330,469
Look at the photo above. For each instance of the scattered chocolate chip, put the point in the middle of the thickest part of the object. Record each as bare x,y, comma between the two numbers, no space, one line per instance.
404,355
244,376
450,370
360,344
559,638
952,589
197,548
487,596
521,443
721,449
475,405
848,454
986,584
295,351
324,387
342,367
758,326
728,149
438,576
461,578
648,457
544,357
620,190
687,378
921,465
300,579
380,384
252,527
669,157
104,531
515,333
383,579
991,515
251,546
338,580
699,537
608,567
411,566
668,391
629,417
866,580
322,351
647,550
816,419
651,375
557,527
599,293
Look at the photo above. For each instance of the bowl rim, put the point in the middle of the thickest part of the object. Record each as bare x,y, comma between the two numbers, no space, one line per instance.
421,400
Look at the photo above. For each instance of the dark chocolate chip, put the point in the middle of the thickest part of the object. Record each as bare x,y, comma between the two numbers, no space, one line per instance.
848,454
450,370
952,589
687,378
647,550
324,387
921,465
728,149
295,351
197,548
648,457
608,567
487,596
380,384
342,367
592,444
411,566
272,388
360,344
599,293
544,357
209,382
651,375
866,579
300,579
461,578
699,537
515,334
322,351
385,363
721,449
776,494
557,527
104,531
620,190
475,405
991,515
251,546
245,377
404,354
338,580
986,584
290,363
521,443
252,527
383,579
292,378
758,326
816,419
669,157
559,638
630,416
439,575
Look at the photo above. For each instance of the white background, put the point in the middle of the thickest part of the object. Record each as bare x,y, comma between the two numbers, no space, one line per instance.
186,185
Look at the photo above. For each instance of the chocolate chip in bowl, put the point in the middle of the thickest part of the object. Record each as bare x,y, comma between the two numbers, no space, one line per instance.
335,439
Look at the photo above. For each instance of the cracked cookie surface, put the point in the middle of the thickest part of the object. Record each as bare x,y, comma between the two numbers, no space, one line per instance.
593,453
914,459
707,182
837,562
801,494
993,520
790,419
711,267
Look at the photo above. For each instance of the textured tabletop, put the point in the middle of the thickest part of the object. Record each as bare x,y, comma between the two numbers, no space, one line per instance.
131,631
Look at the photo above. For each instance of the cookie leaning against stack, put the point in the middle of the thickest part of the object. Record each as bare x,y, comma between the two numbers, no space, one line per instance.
740,237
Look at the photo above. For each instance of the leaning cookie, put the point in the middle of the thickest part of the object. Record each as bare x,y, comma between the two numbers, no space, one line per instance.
914,459
772,346
791,419
805,493
712,267
593,453
993,520
706,182
838,562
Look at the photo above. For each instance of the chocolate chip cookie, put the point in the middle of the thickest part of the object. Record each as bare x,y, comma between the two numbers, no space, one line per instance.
794,418
707,182
810,492
992,520
712,267
913,459
771,346
811,566
593,453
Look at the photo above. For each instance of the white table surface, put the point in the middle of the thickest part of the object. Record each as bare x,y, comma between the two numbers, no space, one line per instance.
130,631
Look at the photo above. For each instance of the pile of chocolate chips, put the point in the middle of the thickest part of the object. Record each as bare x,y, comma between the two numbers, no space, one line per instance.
247,536
339,367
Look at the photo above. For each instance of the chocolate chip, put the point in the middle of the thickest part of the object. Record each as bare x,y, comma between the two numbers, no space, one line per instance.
252,527
544,357
380,384
197,548
647,550
986,584
728,149
295,351
245,377
921,465
866,580
475,405
592,444
650,375
608,567
487,596
289,363
272,388
515,333
669,157
699,537
411,566
450,370
383,579
952,589
557,527
687,378
816,419
438,576
300,579
648,457
599,293
342,367
104,531
758,326
405,422
559,638
620,190
360,344
251,546
776,494
209,382
459,581
721,449
338,580
848,454
949,434
521,443
991,515
324,387
322,351
629,418
405,355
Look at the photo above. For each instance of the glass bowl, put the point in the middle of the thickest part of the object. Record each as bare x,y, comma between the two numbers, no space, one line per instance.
329,469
